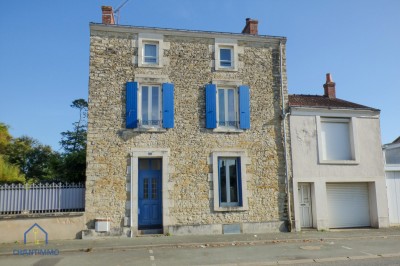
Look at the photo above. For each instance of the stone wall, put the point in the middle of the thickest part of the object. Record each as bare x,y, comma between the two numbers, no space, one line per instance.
188,63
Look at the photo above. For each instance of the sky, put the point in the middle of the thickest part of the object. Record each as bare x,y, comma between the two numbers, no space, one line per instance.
44,51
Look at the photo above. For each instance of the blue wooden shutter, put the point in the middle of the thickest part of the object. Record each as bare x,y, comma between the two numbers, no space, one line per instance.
131,104
168,105
211,106
244,107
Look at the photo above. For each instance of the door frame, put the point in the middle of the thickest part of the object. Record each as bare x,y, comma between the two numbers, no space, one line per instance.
133,187
299,185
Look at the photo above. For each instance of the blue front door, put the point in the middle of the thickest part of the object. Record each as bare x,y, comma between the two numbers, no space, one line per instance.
150,196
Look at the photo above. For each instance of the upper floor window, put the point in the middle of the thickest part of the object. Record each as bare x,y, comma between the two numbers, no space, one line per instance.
336,139
150,53
392,155
227,107
226,55
150,50
149,106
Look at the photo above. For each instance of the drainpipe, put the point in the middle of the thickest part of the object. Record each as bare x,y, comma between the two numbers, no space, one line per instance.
284,116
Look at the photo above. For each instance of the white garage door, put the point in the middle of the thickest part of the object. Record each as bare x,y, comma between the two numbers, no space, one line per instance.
348,205
393,189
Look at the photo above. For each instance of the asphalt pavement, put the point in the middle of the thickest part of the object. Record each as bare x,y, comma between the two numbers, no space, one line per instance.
155,241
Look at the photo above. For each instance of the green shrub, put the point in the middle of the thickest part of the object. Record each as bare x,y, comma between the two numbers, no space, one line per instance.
10,173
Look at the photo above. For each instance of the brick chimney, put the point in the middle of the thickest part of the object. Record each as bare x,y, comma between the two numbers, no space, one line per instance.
329,87
107,15
251,26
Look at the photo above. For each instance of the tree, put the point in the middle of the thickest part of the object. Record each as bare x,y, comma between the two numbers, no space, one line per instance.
73,167
73,141
10,173
36,161
5,137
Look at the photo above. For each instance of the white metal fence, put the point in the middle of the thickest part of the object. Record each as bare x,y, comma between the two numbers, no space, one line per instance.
41,198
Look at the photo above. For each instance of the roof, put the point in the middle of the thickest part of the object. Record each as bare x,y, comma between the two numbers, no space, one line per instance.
128,28
319,101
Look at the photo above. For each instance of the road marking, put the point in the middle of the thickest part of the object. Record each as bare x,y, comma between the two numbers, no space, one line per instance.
366,253
346,247
150,251
151,257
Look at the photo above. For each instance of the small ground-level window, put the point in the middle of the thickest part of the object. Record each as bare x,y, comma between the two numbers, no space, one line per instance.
229,181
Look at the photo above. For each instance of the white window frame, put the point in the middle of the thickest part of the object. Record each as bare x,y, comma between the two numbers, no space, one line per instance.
236,105
150,38
144,54
244,160
149,106
229,203
352,139
225,44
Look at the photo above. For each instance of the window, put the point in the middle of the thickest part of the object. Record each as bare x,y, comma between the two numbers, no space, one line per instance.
226,57
392,155
150,50
227,108
336,141
229,181
150,53
150,106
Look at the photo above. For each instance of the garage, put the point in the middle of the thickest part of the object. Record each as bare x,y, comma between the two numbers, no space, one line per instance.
393,189
348,205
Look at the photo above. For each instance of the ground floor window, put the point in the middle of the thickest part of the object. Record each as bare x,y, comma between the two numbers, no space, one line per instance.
229,181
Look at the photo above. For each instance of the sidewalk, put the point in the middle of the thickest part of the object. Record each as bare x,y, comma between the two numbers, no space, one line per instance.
143,242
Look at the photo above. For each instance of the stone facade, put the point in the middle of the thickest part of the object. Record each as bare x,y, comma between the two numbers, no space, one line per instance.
187,149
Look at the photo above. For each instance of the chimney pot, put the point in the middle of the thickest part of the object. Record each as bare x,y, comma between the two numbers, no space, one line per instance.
251,26
107,15
329,87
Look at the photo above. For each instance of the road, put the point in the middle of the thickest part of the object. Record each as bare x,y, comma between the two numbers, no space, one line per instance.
376,251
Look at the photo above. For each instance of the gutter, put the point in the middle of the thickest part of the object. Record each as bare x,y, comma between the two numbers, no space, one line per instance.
284,115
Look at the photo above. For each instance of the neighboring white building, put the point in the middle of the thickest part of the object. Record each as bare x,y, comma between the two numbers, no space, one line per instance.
392,169
338,173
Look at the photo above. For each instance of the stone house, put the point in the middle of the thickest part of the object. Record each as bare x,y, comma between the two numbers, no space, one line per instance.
186,130
338,174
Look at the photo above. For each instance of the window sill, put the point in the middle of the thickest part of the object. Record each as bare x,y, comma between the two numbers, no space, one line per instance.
149,129
227,130
339,162
223,69
231,209
150,65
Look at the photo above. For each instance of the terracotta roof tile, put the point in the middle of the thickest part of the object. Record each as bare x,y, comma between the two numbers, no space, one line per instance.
300,100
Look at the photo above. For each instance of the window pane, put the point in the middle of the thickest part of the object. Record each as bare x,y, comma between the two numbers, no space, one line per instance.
154,188
231,107
392,156
156,164
222,177
145,105
336,141
221,107
144,164
155,108
231,165
226,57
150,53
